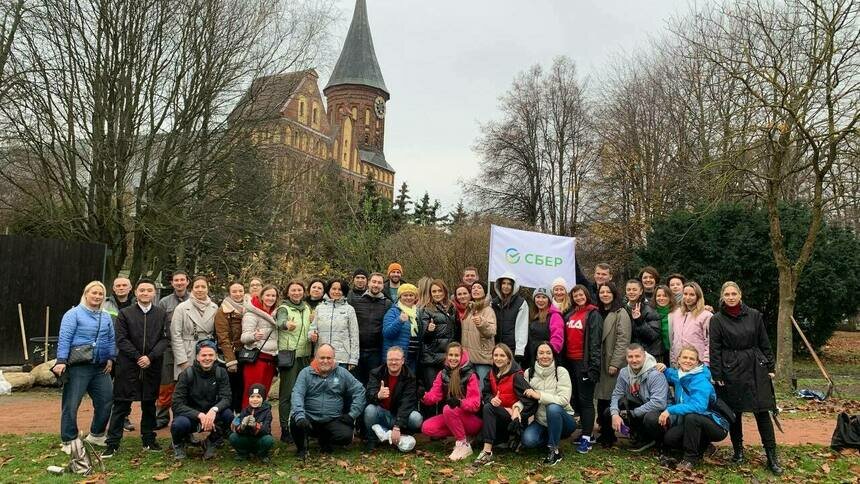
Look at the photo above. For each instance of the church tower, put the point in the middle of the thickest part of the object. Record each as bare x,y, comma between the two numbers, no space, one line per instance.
356,96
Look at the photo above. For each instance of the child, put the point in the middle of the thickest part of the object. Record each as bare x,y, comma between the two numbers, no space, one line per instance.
252,429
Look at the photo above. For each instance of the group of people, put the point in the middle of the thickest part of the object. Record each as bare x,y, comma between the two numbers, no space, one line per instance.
485,363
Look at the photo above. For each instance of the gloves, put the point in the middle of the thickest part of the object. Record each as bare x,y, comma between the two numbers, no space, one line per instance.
453,402
346,419
303,424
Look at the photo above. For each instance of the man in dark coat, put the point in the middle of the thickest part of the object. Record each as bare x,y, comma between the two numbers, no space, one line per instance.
141,337
370,309
201,403
392,403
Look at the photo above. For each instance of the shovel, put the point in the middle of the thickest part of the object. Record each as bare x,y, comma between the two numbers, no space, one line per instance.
774,414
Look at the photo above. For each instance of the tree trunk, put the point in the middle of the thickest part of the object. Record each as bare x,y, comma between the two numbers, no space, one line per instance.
784,329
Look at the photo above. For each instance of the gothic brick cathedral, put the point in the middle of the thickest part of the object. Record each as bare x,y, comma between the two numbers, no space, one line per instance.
291,122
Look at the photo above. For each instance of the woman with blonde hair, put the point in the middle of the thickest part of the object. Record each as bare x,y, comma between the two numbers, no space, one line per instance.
86,350
424,297
478,329
742,365
690,324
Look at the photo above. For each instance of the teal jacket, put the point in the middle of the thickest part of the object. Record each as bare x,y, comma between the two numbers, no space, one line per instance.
694,393
321,398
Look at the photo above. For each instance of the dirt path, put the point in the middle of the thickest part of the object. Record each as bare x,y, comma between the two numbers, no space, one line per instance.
39,411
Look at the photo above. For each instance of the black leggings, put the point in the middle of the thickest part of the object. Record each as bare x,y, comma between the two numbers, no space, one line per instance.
582,398
693,432
765,430
496,421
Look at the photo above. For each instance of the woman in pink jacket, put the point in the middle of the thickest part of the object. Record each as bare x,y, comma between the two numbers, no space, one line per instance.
457,386
689,324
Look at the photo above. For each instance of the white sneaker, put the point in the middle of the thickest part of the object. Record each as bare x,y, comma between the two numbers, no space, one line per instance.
461,451
407,443
66,447
100,441
381,434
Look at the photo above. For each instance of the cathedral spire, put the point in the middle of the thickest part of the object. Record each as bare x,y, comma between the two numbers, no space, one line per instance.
357,63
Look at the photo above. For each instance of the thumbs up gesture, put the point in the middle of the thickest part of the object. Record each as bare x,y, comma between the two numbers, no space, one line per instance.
403,316
431,326
496,401
384,391
291,325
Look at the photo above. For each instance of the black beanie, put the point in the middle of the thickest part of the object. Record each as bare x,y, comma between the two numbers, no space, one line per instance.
359,272
257,388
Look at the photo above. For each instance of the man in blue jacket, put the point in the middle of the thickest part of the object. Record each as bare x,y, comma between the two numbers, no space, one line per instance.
318,402
641,393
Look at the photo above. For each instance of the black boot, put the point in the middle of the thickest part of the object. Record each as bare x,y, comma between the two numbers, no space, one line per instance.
738,456
773,461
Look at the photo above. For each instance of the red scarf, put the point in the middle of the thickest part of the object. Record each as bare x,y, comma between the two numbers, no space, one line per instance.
258,303
733,311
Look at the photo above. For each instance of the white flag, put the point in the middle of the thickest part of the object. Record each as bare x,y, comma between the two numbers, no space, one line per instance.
533,258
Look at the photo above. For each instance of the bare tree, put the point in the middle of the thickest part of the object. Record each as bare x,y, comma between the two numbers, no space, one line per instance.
121,121
797,78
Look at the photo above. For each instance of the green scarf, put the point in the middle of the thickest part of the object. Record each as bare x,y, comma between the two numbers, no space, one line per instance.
663,311
413,317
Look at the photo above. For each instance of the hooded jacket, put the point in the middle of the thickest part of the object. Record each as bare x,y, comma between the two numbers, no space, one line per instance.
322,398
198,390
337,325
297,338
512,317
370,310
552,331
694,393
263,416
509,386
653,389
404,398
479,339
688,329
257,319
553,383
471,401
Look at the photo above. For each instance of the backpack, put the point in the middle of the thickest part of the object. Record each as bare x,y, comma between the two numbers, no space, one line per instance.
84,460
847,432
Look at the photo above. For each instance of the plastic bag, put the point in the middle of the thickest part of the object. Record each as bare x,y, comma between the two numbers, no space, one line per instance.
5,386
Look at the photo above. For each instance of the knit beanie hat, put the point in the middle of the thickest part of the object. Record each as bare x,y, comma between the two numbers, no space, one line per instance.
542,291
257,389
404,288
559,281
359,272
394,266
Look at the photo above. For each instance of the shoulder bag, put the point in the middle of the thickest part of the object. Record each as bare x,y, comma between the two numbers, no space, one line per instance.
250,355
84,353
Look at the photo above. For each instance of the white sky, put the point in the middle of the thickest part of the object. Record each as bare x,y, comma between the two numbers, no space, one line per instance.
446,62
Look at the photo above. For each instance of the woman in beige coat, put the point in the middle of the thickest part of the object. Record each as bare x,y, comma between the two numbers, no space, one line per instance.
479,331
259,330
193,320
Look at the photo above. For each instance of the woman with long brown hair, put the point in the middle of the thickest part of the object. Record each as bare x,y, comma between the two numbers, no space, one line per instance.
437,322
259,330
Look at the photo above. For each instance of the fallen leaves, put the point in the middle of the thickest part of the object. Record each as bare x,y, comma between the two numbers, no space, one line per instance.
161,476
825,468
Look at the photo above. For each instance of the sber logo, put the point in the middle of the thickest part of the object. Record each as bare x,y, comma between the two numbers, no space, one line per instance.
513,256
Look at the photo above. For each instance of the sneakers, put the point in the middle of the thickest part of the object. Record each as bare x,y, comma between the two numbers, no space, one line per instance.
381,434
484,459
684,465
553,458
152,447
128,426
461,451
584,444
110,452
179,452
66,448
100,441
642,447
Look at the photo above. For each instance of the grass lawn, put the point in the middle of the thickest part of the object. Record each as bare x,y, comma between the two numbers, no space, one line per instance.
24,459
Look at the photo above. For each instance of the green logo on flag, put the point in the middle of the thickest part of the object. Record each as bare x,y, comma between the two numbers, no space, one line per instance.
512,255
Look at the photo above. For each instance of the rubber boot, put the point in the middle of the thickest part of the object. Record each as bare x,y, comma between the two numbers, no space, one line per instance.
773,461
738,456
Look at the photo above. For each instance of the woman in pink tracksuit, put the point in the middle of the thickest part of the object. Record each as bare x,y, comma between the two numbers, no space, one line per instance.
689,324
457,386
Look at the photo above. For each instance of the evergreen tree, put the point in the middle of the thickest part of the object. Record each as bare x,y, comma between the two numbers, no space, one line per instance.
402,202
423,210
458,216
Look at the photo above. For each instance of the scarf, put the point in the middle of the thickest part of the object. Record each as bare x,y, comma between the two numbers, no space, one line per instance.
201,306
678,297
733,311
237,307
663,311
413,317
461,310
650,362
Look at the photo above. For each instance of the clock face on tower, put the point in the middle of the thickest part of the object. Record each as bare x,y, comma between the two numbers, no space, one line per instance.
379,107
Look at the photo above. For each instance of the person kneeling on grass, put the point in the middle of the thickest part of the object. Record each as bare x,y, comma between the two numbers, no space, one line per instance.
639,396
392,403
318,402
201,403
692,421
550,389
457,386
252,429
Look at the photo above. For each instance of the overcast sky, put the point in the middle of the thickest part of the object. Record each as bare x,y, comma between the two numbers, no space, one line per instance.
446,62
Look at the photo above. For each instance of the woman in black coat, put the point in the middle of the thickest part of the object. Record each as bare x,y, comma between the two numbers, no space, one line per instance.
742,365
141,338
437,326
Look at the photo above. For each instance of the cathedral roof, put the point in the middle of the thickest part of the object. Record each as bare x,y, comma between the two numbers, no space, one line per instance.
268,94
357,63
375,158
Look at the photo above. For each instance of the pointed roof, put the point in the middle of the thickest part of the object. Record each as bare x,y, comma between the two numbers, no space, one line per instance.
357,63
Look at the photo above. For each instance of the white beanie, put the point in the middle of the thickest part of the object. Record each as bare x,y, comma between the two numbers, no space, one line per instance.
559,281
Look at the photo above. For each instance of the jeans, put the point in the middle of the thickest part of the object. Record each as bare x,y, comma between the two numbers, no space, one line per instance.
375,414
482,371
120,412
560,424
183,426
368,360
86,378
